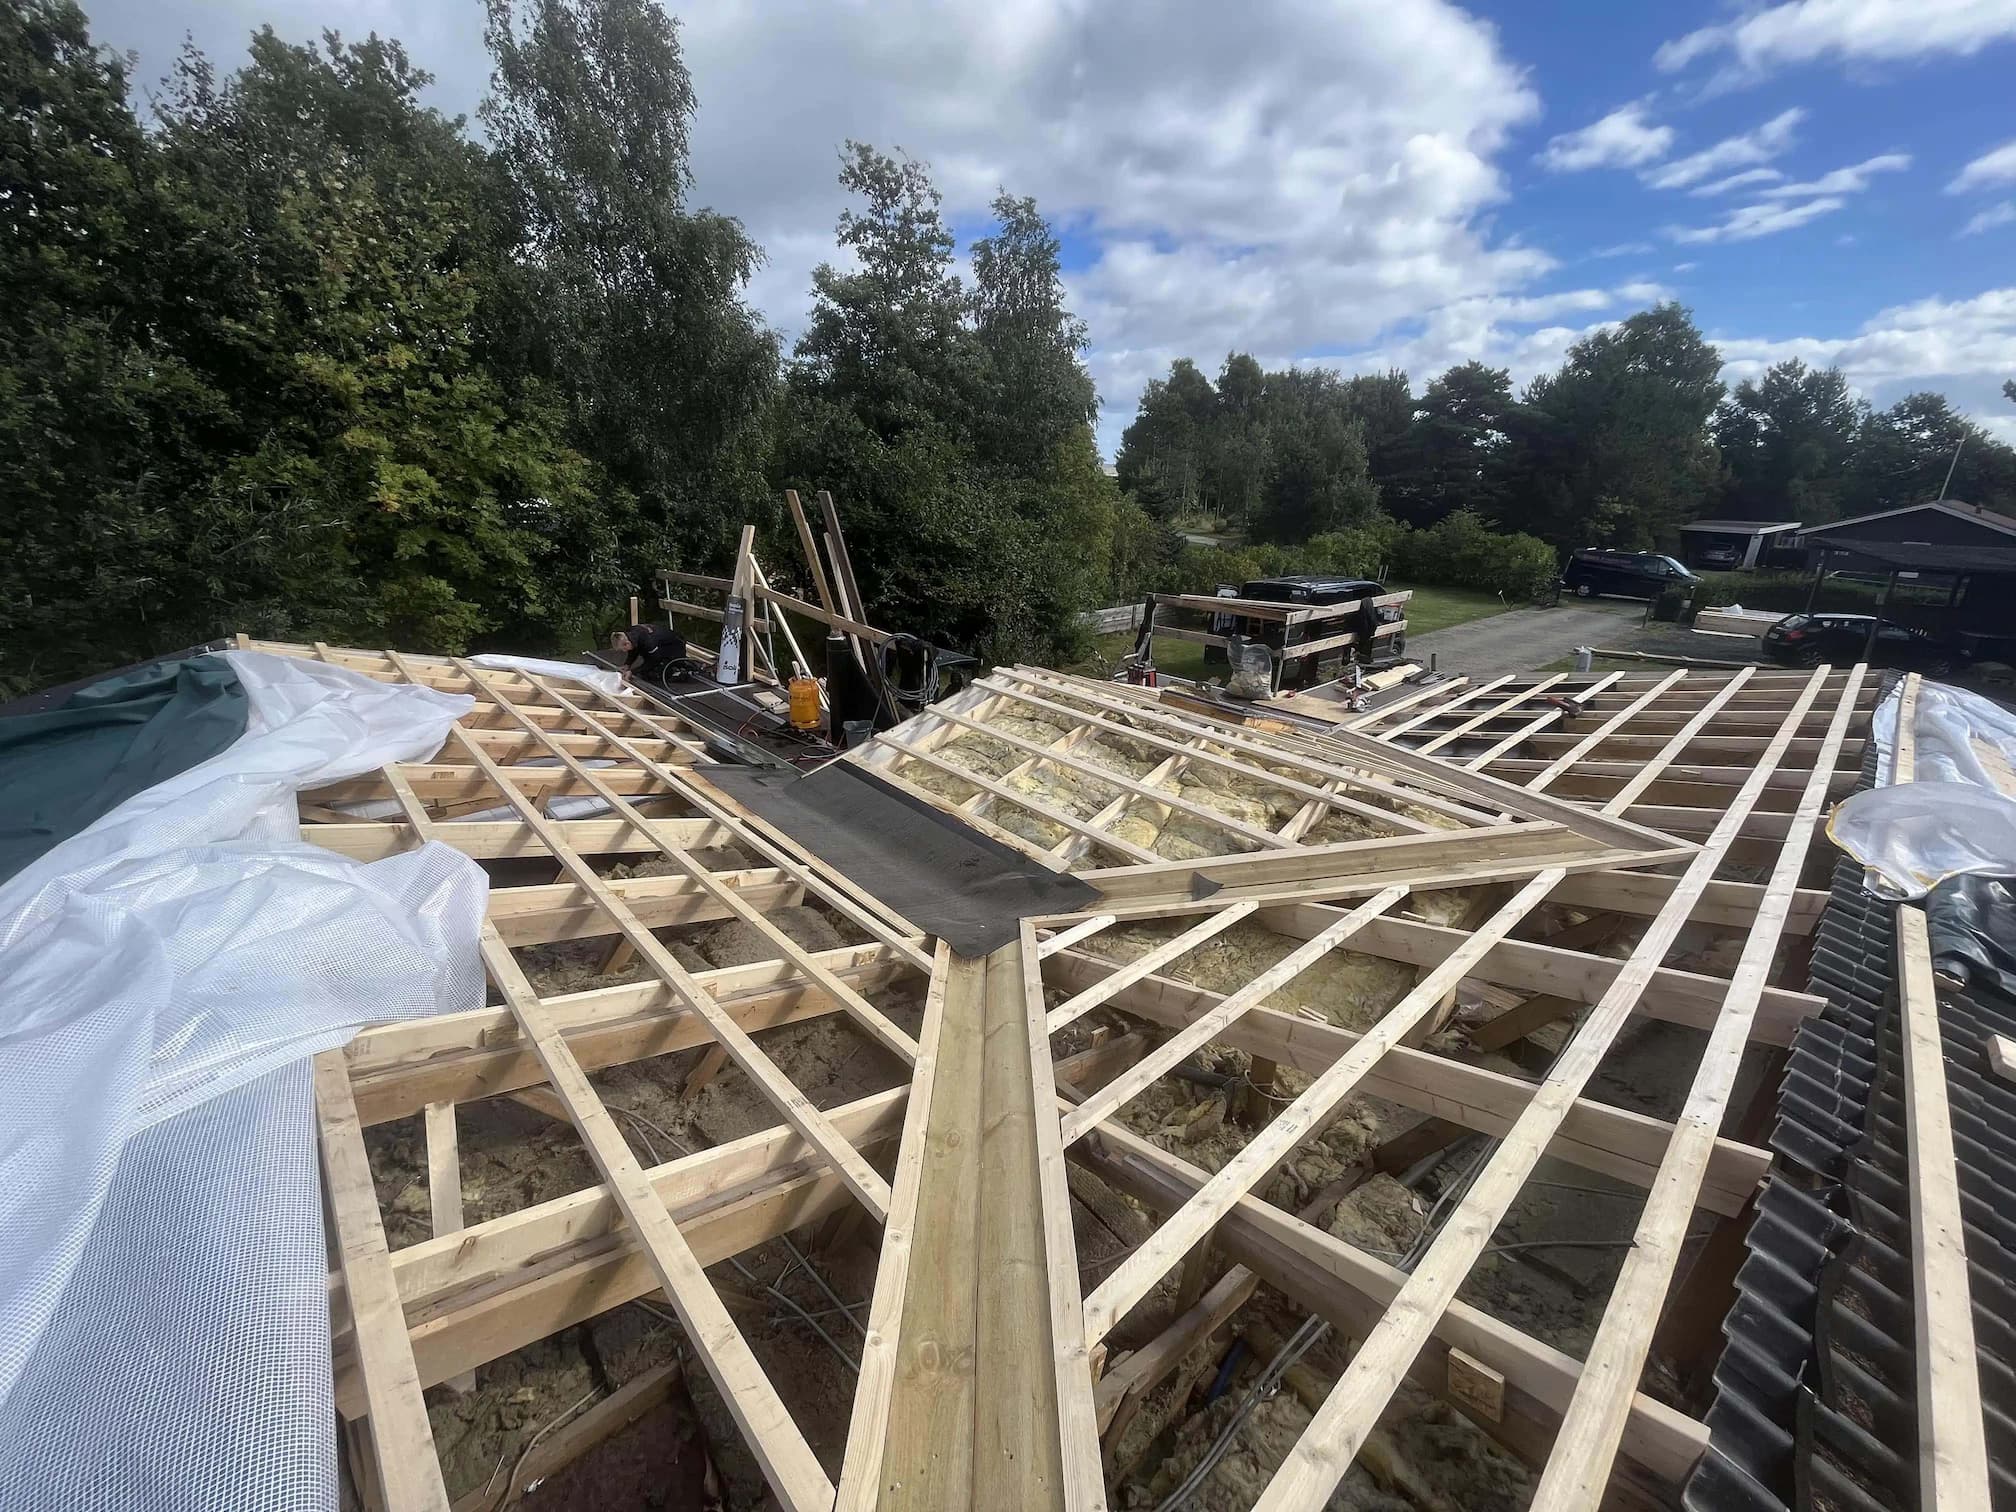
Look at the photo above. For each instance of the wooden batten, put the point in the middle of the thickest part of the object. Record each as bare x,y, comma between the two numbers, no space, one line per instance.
1582,814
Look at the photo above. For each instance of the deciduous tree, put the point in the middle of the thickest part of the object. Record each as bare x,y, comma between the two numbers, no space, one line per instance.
627,300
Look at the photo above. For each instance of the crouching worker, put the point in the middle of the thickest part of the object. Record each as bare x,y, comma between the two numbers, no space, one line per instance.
651,650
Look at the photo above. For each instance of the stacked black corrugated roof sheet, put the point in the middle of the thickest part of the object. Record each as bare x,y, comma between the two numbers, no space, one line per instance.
1816,1390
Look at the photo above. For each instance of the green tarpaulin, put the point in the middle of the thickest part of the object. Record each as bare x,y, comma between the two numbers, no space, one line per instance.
62,768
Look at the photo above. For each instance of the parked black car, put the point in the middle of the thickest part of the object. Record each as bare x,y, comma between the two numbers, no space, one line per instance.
1627,574
1806,640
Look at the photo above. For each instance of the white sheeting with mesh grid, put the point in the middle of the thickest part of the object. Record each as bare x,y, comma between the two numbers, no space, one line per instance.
599,678
163,976
1958,815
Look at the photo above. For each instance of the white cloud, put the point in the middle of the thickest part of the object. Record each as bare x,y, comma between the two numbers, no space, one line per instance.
1279,178
2003,214
1622,139
1848,31
1753,221
1991,168
1904,344
1478,331
1298,180
1852,180
1685,267
1751,147
1736,181
1962,348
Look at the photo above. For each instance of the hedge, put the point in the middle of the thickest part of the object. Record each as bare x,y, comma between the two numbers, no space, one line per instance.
1786,592
1460,551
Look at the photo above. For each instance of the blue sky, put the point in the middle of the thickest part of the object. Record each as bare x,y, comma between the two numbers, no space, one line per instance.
1409,183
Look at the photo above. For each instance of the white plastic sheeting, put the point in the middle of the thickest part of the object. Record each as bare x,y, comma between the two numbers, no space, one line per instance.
559,807
600,678
1957,815
163,975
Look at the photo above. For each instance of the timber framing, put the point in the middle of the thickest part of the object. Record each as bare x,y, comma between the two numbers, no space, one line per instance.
1166,802
1600,830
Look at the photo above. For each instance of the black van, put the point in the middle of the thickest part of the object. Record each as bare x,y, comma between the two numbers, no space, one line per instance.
1627,574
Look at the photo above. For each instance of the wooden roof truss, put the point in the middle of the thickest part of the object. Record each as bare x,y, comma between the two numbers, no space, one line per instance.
1413,820
985,1378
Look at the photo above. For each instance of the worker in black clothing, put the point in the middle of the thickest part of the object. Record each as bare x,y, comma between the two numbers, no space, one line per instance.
648,649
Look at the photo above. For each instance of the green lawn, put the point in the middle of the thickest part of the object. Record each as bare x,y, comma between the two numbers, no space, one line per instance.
1429,609
1439,608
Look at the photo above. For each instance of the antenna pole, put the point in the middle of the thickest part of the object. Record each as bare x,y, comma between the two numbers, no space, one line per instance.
1949,469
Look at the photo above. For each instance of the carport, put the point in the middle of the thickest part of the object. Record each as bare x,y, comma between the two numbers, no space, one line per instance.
1980,604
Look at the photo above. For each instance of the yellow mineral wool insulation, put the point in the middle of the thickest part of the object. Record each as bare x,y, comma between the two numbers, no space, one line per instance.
1344,988
1254,802
1075,793
1448,906
1032,827
1195,1122
1339,826
936,780
980,753
1185,839
1124,756
1180,837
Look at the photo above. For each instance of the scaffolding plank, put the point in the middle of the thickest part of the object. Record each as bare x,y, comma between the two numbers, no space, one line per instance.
1952,1435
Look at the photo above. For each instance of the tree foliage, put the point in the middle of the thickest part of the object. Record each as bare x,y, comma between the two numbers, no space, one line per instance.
1614,449
1629,439
1920,449
368,473
628,302
305,359
1282,454
955,422
270,406
1787,441
301,356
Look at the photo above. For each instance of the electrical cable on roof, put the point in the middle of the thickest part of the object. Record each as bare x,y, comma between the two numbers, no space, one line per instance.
928,680
1313,1329
789,1301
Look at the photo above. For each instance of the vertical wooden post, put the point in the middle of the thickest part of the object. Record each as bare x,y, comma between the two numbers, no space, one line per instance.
810,547
1256,1099
444,1194
1876,619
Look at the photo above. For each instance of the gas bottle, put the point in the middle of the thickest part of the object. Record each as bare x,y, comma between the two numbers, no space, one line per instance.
804,693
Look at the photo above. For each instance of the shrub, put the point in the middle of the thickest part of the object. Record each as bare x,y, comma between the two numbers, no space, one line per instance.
1753,590
1462,551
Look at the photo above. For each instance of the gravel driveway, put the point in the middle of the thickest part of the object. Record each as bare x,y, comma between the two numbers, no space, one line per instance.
1521,639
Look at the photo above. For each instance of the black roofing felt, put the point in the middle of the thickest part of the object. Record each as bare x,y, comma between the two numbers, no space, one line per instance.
67,765
1816,1389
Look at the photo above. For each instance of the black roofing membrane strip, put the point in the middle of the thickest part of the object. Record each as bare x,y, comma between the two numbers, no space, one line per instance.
943,876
